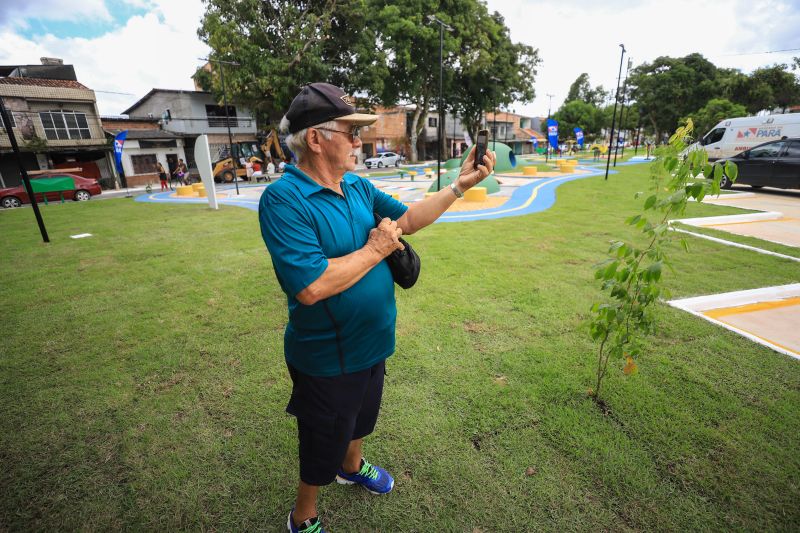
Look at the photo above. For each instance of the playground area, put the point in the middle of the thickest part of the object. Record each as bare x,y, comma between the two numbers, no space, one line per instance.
519,186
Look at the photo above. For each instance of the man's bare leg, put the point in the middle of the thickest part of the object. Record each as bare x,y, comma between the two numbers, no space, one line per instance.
306,505
352,461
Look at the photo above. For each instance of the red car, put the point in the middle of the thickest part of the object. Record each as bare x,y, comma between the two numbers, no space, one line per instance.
85,188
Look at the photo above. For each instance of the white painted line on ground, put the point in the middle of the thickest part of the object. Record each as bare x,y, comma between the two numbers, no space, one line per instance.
731,219
734,244
80,236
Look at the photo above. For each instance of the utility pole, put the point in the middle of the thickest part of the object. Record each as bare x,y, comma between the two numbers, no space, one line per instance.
614,116
622,113
25,179
440,122
227,118
547,137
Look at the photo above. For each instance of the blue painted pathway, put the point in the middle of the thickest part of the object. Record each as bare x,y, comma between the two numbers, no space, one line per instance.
533,197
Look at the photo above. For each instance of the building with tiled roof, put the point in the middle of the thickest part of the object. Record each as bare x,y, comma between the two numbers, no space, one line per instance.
55,121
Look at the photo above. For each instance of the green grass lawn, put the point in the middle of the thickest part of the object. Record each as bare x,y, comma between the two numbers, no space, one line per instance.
143,383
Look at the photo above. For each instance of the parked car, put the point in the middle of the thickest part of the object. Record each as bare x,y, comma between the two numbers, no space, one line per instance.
384,160
772,164
84,189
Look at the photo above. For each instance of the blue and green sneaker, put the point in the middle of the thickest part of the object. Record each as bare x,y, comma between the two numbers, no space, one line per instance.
312,525
373,478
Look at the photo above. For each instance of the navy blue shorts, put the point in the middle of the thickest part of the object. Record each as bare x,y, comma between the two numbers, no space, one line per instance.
331,412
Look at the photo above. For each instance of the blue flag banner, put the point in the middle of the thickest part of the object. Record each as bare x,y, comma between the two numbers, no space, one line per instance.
579,136
119,140
552,133
535,142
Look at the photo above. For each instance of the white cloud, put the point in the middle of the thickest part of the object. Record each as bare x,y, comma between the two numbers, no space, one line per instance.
159,49
13,12
576,38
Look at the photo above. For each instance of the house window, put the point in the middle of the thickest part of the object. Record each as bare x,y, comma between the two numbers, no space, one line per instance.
433,122
216,116
65,125
144,164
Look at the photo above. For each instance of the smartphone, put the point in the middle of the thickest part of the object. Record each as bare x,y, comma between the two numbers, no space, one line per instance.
480,147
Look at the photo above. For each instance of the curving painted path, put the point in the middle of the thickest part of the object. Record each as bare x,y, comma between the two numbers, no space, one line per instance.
533,197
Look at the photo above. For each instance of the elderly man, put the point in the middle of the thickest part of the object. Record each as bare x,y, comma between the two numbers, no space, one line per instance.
319,227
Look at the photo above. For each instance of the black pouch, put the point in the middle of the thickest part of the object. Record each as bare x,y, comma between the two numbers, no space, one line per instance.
404,264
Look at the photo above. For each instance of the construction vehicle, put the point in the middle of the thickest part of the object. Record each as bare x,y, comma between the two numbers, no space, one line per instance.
251,152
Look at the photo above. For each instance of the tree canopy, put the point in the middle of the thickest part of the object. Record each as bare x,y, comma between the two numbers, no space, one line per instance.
384,52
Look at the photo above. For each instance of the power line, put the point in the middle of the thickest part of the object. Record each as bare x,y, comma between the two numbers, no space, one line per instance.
759,53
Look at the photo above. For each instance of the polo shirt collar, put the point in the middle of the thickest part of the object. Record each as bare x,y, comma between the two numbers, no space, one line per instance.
307,185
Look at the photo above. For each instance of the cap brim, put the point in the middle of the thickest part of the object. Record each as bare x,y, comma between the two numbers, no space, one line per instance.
359,119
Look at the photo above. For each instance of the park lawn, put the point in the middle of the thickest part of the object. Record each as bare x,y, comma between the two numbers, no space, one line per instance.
143,383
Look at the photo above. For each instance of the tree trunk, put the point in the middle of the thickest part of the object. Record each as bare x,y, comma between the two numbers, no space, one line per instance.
415,133
417,122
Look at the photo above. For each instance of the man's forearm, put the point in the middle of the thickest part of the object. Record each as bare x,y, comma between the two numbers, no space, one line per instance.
341,274
425,213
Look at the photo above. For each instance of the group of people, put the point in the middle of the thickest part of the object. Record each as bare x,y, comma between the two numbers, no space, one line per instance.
255,169
181,173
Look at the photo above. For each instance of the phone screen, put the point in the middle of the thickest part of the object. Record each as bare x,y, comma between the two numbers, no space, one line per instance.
480,147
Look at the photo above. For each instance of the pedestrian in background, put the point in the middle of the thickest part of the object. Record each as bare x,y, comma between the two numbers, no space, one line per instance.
162,176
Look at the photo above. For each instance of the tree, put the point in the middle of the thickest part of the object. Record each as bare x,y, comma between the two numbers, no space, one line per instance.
784,85
582,90
478,48
669,88
578,113
487,51
281,45
713,112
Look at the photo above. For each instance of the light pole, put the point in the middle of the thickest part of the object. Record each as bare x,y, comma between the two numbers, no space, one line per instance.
495,79
227,119
440,125
622,113
547,137
614,116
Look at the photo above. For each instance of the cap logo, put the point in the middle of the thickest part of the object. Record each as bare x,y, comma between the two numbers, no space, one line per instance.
347,100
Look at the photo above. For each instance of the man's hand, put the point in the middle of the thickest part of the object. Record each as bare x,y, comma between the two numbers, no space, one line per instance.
385,239
470,176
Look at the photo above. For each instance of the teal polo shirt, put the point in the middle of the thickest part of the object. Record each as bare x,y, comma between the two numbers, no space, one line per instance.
303,225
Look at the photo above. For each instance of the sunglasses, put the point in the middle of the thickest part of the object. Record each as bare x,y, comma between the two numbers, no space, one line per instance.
353,133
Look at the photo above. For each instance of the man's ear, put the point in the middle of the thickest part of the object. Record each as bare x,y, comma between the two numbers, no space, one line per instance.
313,140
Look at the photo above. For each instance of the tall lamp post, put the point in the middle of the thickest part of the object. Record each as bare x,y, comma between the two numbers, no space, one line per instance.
622,113
547,137
440,122
227,119
614,116
496,80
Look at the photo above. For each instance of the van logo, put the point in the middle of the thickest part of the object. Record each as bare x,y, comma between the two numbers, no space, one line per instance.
747,133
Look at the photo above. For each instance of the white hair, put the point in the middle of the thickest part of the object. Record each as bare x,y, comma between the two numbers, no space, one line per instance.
297,141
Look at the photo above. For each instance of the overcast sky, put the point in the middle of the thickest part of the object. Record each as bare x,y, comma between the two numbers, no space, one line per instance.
131,46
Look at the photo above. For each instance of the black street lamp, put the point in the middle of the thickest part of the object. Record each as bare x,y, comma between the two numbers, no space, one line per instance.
622,113
614,116
227,119
496,80
440,122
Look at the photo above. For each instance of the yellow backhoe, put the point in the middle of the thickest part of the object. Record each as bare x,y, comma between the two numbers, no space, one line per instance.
270,147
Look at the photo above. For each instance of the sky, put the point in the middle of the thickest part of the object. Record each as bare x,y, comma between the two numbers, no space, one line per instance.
131,46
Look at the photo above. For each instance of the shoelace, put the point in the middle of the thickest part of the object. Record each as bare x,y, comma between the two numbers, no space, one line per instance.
368,471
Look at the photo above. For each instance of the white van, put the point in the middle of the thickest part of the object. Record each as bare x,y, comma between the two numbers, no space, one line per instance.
734,135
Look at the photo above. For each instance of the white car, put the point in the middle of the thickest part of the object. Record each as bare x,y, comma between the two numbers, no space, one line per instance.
383,160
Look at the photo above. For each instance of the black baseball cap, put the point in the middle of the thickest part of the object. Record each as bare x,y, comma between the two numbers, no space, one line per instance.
321,102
